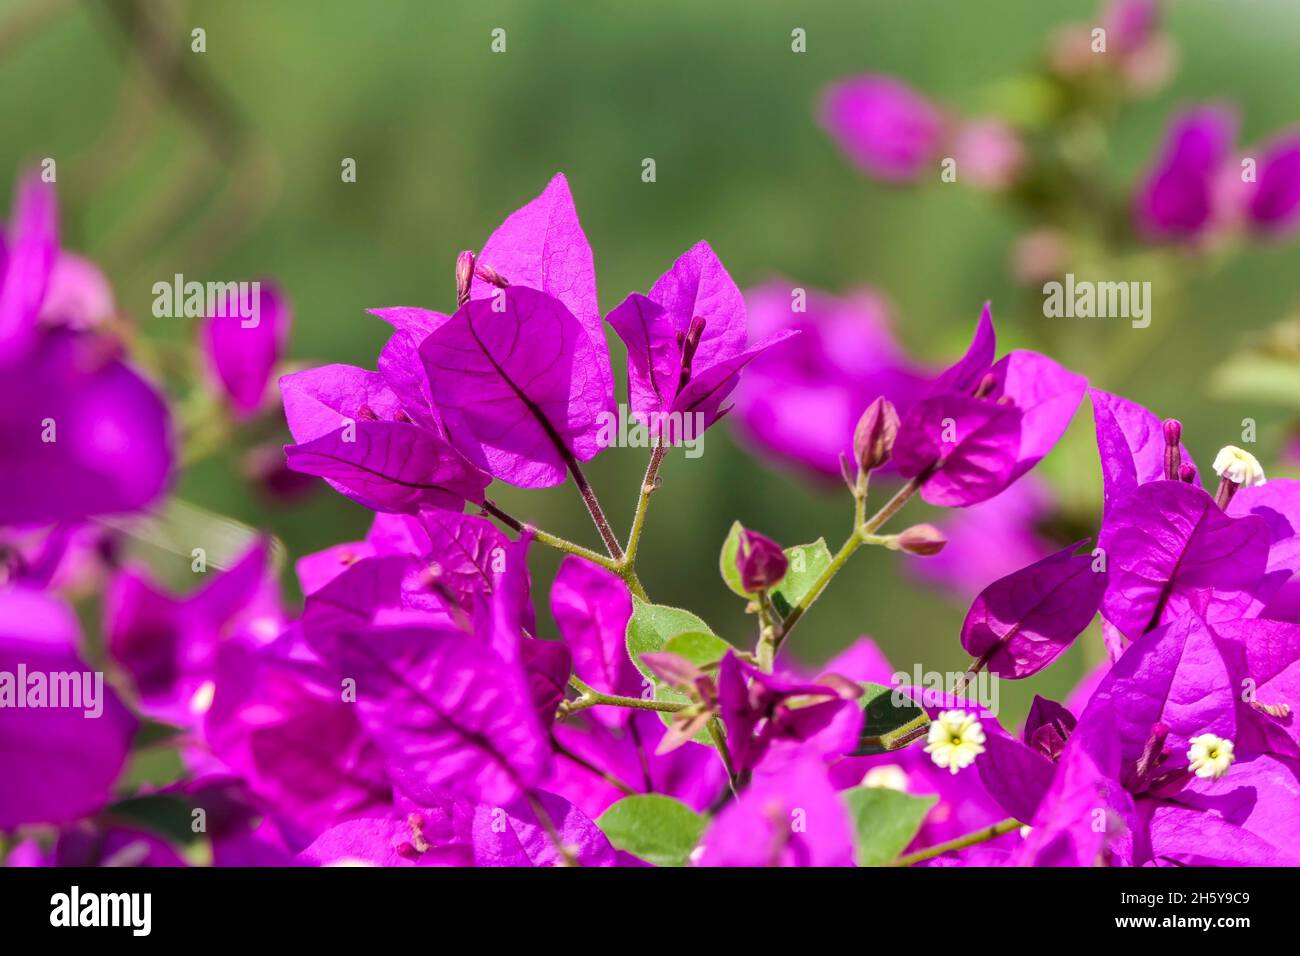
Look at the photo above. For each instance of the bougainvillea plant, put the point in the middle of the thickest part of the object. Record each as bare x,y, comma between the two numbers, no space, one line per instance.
416,710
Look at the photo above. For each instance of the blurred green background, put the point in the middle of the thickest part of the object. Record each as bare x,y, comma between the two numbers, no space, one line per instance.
226,164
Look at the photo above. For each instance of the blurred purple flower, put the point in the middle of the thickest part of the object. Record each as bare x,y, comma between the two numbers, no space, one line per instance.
83,434
1175,201
169,645
85,844
1273,200
989,540
801,400
243,357
884,126
989,154
1130,24
65,735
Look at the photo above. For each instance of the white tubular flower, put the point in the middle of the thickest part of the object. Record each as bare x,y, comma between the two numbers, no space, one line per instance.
1238,466
955,740
1210,756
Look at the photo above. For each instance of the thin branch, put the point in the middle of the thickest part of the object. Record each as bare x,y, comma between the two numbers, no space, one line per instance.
960,843
593,506
648,486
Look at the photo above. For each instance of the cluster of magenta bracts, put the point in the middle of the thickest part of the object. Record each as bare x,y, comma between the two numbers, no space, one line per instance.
413,713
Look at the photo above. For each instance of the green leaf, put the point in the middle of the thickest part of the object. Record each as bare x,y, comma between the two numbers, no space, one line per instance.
807,562
727,560
650,627
888,724
701,648
884,822
655,828
164,814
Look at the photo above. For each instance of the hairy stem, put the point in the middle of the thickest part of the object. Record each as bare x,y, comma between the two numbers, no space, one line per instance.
590,697
648,486
892,506
976,666
507,519
597,513
960,843
548,539
765,653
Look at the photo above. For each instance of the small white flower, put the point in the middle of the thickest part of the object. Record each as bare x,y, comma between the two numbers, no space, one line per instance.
888,777
955,740
1210,756
1238,466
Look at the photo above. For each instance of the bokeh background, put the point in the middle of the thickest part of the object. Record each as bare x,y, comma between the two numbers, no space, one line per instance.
226,165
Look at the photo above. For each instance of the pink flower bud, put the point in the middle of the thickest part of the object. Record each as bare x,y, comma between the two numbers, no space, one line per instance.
873,439
464,276
761,562
922,539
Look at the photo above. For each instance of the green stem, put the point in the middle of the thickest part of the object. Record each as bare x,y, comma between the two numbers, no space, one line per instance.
863,533
892,506
860,500
563,544
720,744
767,631
594,698
799,610
960,843
622,569
900,737
548,539
648,486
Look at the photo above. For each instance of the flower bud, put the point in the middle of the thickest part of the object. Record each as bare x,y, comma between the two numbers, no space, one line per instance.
1173,430
464,276
491,276
873,439
922,539
761,562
